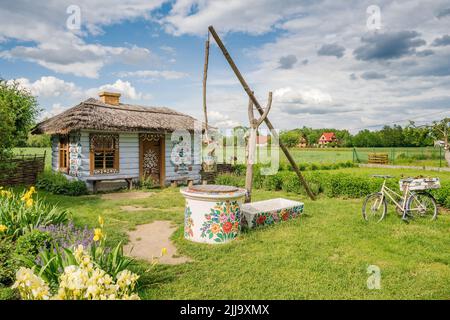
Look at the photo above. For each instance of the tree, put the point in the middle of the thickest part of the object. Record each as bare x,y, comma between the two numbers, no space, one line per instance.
18,111
440,130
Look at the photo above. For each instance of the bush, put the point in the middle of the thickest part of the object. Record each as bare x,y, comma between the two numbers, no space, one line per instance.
146,183
8,264
57,183
20,213
442,195
239,169
6,293
230,180
29,244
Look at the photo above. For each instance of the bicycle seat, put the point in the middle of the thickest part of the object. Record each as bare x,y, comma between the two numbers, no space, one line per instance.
382,176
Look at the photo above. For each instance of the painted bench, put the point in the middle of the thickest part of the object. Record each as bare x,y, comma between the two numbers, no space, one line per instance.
267,212
128,179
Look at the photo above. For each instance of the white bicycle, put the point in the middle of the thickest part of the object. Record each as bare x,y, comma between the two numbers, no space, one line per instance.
414,202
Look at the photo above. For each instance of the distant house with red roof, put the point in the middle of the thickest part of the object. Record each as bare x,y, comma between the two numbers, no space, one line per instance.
326,138
261,141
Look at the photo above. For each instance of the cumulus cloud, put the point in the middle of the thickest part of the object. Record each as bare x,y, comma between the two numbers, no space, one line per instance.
221,120
125,88
287,62
392,45
372,75
251,16
50,87
442,41
54,46
331,50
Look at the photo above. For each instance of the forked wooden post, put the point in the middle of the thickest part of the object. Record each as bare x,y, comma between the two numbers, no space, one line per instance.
254,124
260,109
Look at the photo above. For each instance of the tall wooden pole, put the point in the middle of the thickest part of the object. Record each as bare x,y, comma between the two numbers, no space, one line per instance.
260,110
205,76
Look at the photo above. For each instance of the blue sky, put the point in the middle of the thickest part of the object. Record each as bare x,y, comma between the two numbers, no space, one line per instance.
324,63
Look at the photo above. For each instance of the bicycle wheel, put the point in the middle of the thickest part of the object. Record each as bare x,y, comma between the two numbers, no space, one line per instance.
421,205
374,207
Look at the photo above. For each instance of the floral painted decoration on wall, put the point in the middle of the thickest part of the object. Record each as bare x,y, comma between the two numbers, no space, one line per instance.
188,223
223,222
271,217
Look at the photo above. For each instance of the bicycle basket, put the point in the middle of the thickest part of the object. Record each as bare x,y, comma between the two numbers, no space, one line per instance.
420,183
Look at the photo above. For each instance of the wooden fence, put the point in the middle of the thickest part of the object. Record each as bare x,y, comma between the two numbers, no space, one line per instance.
21,170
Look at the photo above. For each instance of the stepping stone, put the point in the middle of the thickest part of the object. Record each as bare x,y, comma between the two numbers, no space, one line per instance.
147,241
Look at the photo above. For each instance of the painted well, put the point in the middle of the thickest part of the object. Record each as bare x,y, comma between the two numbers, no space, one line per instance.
212,213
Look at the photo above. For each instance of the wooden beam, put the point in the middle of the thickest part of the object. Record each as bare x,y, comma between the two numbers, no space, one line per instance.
260,109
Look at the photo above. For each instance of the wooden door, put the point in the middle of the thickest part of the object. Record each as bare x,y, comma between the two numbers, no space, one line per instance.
151,157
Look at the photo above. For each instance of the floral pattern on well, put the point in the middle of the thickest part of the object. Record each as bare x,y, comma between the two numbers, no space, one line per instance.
188,223
223,222
271,217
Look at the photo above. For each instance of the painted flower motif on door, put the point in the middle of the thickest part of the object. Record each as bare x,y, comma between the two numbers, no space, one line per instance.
151,162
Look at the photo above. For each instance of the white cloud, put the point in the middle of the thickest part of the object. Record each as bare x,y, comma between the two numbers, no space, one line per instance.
65,51
306,96
154,74
50,87
55,109
125,88
251,16
221,120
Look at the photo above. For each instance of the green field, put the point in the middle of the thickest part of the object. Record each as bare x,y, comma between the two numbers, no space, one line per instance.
321,255
402,156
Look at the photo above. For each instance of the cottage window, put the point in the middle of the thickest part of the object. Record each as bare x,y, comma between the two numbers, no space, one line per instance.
104,153
64,153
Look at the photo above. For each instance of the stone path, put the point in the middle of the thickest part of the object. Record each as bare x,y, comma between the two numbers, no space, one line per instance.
148,240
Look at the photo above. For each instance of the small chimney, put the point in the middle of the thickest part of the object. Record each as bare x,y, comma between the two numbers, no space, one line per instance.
109,98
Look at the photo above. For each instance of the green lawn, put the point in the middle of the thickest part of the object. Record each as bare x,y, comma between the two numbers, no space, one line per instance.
32,151
321,255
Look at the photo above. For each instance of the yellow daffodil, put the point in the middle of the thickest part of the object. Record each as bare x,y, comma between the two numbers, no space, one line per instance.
163,251
3,228
98,234
101,221
29,202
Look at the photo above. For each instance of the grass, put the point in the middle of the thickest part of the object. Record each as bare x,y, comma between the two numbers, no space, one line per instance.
402,156
27,151
323,156
322,255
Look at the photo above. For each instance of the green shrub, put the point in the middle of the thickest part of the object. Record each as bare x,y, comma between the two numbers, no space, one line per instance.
8,264
29,244
57,183
239,169
274,181
230,180
442,195
291,183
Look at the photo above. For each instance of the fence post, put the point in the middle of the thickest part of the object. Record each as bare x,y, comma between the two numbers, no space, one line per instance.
440,157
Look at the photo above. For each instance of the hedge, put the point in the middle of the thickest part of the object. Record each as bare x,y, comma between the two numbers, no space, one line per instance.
330,184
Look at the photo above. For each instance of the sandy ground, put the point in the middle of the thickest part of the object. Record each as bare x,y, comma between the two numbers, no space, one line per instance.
147,241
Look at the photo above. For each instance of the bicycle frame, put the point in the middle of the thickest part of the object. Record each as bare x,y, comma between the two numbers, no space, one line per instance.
392,195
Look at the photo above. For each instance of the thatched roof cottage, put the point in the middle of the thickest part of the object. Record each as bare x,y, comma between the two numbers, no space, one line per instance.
108,140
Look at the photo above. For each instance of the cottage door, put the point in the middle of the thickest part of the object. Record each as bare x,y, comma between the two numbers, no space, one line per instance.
150,166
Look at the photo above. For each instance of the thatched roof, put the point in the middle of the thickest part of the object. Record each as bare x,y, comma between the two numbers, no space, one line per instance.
93,114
